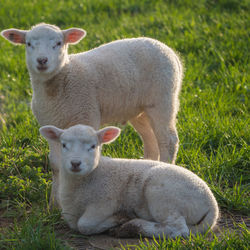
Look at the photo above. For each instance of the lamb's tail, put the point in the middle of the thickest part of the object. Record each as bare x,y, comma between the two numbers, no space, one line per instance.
207,221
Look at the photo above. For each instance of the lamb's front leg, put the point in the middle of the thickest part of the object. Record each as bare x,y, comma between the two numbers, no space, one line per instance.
94,222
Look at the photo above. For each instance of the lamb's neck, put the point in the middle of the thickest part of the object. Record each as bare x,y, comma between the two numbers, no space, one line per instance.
70,180
74,181
37,84
40,81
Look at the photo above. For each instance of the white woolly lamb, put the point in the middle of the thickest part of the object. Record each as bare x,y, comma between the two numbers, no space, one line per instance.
136,80
130,197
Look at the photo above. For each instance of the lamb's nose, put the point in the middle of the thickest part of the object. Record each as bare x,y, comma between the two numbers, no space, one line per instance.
75,164
42,60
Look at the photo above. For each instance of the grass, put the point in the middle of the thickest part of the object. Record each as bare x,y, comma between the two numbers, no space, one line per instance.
213,123
226,241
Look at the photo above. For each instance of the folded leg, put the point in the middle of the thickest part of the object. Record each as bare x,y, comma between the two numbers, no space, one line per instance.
168,228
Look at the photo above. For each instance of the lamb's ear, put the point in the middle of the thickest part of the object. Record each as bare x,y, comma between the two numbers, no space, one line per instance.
108,134
73,35
51,132
14,36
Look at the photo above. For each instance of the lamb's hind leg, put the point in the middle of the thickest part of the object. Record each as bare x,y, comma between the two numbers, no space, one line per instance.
162,120
143,127
169,228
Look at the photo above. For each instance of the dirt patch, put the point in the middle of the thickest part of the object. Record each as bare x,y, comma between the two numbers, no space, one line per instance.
101,241
5,221
226,222
229,221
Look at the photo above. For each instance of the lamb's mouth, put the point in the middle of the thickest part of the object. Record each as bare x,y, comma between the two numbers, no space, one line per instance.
75,170
42,68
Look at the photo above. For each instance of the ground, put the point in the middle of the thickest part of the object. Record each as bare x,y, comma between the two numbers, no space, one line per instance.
227,221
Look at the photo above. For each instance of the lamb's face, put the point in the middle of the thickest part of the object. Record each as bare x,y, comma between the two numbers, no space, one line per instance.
80,150
46,47
46,51
81,146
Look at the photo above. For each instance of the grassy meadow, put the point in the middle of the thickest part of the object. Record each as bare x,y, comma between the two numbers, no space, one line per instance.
212,38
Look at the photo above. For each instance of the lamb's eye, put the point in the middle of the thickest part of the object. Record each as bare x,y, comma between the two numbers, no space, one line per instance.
58,44
64,145
92,147
28,44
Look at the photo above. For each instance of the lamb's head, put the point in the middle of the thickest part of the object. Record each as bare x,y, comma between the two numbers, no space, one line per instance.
46,46
80,145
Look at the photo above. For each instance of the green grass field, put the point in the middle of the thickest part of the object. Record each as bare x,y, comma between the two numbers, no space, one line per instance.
212,37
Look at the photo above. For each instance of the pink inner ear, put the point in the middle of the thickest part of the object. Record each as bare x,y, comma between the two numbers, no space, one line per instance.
51,134
109,135
15,37
74,36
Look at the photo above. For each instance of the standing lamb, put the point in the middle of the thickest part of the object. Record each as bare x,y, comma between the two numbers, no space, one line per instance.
144,197
136,80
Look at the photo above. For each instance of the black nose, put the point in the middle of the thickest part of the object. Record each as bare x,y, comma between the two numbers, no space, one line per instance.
42,60
75,163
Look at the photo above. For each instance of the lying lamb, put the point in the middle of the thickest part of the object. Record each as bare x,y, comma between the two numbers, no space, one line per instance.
136,80
133,197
